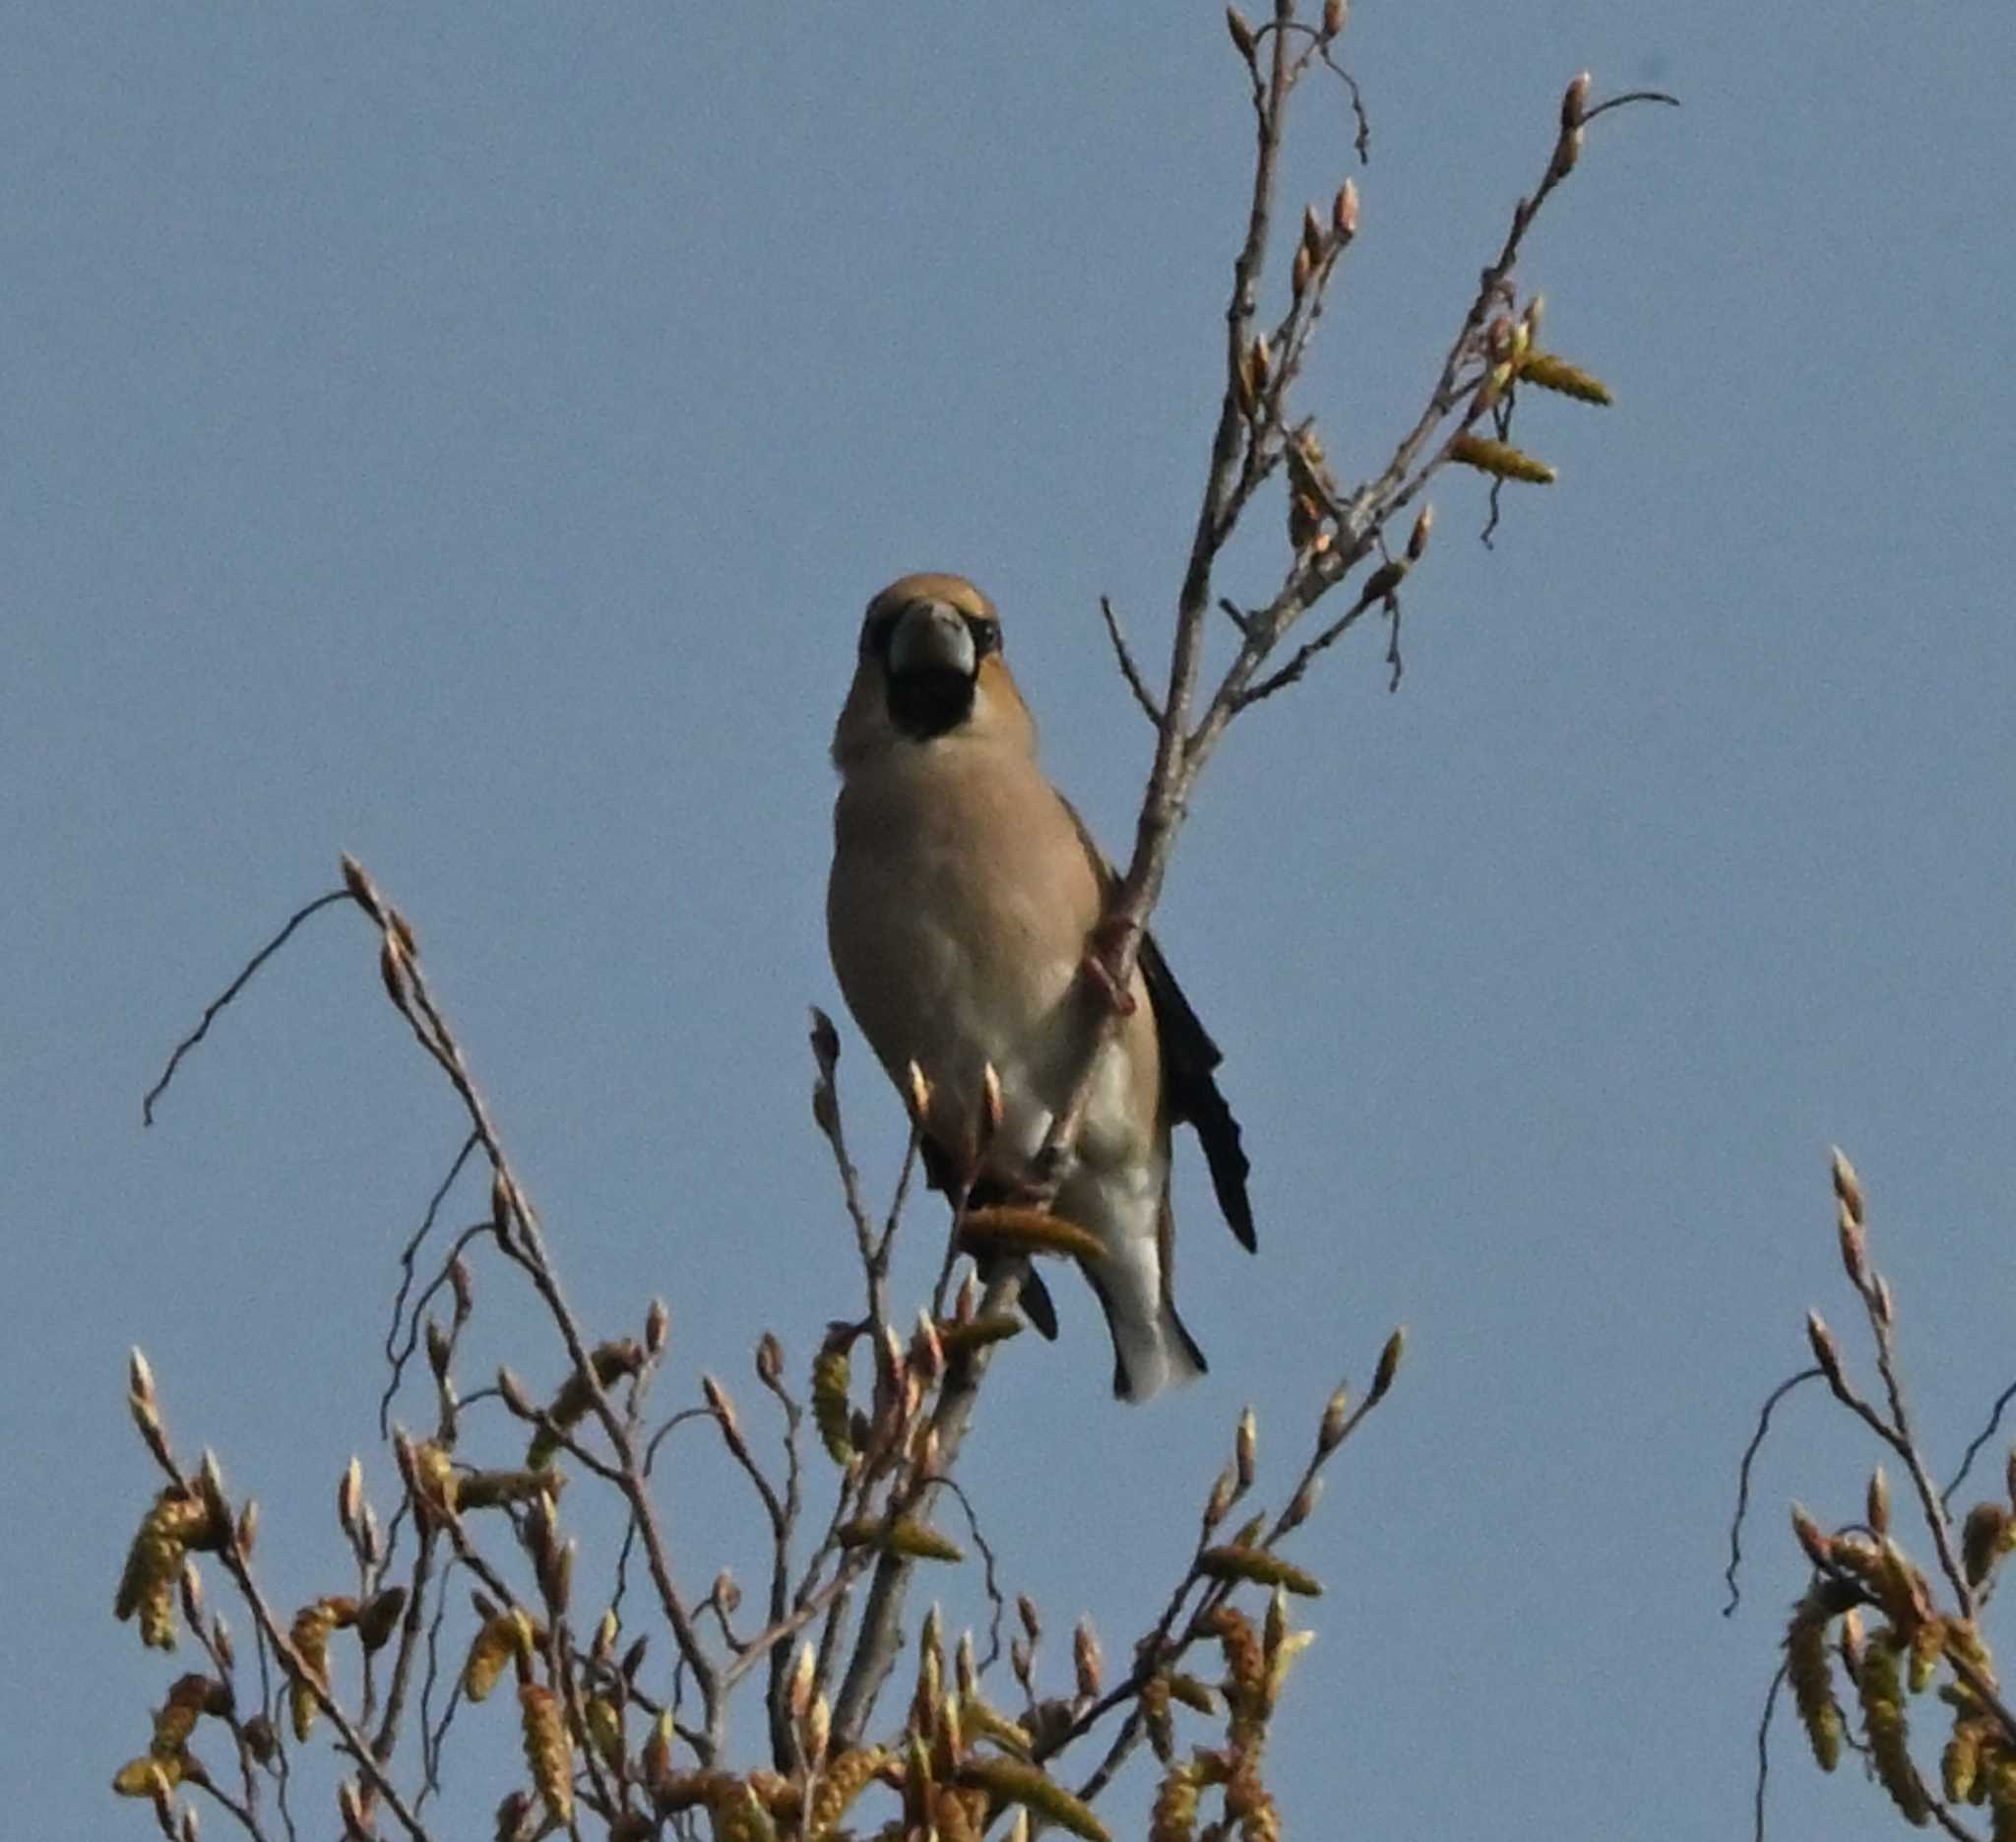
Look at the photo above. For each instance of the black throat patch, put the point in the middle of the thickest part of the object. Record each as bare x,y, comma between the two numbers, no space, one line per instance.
926,703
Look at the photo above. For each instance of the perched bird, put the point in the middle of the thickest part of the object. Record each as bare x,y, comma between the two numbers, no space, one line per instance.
960,913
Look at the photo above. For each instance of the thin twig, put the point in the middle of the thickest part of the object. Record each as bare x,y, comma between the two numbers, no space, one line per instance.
1129,669
230,992
1750,1452
1978,1440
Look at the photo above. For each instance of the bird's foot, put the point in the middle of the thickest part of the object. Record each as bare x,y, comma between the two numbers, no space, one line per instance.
1103,948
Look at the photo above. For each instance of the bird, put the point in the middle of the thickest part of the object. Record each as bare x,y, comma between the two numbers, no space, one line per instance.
963,914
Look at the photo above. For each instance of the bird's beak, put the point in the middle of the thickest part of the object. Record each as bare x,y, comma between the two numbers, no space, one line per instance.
930,637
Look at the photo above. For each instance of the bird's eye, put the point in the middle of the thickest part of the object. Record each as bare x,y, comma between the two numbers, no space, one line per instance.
986,634
875,632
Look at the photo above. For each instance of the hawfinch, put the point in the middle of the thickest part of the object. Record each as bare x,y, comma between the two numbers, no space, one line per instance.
964,898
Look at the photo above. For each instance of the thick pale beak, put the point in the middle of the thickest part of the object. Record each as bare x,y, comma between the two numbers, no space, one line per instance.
929,636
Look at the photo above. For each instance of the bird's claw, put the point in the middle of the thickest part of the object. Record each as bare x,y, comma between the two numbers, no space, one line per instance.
1102,948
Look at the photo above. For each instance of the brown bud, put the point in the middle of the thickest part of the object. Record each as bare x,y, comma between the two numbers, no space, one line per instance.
502,1206
140,1377
720,1406
805,1671
378,1618
1334,13
1243,33
1025,1607
1879,1501
440,1350
1417,537
769,1360
209,1480
1343,212
1854,1249
1245,1449
462,1283
350,1496
1574,99
363,890
927,1348
1826,1351
1086,1659
1312,232
514,1395
1389,1365
392,970
247,1532
1301,1504
1335,1416
1305,267
1222,1494
727,1594
1819,1546
994,1108
1846,1185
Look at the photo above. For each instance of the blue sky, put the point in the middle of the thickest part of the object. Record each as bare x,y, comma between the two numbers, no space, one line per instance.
467,437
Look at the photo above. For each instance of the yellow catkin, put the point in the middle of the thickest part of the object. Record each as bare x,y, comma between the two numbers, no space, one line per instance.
1239,1562
1246,1661
149,1775
310,1636
1927,1646
832,1376
1247,1799
979,1717
1808,1667
494,1646
1175,1816
1571,380
839,1785
994,1327
739,1816
1998,1788
1013,1229
605,1729
549,1753
1501,459
1016,1783
1884,1726
904,1536
611,1362
174,1523
954,1817
656,1758
1961,1762
1154,1716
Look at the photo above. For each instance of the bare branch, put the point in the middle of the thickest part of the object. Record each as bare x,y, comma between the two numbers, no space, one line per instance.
230,992
1128,668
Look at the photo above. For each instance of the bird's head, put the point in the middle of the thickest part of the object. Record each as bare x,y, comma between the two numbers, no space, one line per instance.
930,667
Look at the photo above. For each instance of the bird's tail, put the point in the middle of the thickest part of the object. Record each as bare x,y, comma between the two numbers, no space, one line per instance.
1152,1350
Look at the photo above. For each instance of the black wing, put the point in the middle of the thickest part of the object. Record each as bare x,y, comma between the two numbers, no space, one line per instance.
1190,1061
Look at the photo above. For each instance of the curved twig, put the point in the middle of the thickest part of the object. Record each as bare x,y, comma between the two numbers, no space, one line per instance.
1736,1527
230,992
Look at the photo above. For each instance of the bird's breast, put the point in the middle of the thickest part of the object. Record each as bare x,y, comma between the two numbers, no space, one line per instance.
958,912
